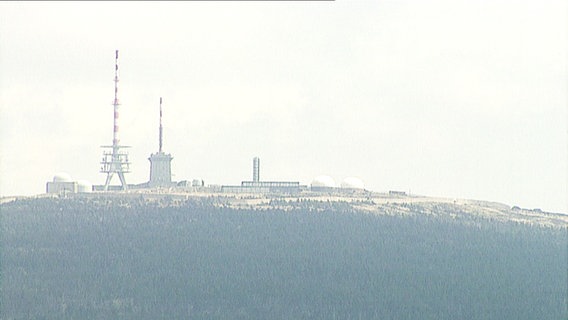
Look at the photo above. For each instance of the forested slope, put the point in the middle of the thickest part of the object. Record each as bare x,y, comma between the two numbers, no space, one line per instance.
108,259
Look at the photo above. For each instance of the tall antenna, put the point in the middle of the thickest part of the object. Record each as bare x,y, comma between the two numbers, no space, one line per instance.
115,160
160,124
115,103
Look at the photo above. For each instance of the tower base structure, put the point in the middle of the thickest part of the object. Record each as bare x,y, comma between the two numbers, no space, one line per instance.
114,162
160,170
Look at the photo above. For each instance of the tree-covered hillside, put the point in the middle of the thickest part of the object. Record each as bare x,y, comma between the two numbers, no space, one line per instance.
109,259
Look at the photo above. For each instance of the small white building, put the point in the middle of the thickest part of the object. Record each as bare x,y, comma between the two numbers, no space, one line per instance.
323,183
352,183
84,186
63,183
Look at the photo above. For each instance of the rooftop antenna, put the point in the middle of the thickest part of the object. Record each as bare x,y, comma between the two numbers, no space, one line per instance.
115,160
160,150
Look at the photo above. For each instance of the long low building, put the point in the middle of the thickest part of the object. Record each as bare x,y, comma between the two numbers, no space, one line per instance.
257,186
290,187
241,189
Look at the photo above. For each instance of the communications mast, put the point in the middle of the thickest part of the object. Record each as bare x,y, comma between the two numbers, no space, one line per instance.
160,162
115,160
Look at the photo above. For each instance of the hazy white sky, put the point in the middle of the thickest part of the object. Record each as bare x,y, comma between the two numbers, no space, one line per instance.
455,98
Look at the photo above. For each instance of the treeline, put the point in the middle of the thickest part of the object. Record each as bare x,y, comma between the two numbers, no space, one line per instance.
108,259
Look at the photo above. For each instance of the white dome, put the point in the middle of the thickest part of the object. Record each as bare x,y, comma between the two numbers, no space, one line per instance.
62,177
352,183
84,186
323,181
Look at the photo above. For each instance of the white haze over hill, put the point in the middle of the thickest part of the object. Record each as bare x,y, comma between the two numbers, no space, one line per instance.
462,99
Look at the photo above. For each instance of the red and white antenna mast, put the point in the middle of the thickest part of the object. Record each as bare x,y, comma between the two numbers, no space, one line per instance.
115,160
115,103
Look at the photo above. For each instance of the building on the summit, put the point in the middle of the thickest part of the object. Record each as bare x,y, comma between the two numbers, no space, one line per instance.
160,163
258,186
